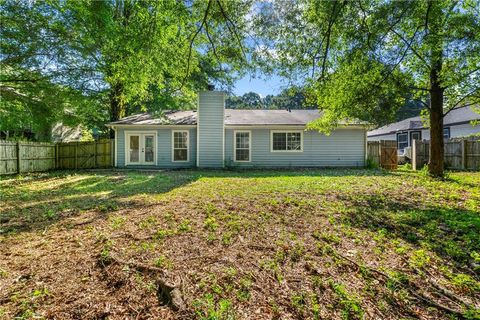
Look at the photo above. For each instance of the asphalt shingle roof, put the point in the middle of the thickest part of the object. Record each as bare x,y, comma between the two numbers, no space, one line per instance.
458,115
232,117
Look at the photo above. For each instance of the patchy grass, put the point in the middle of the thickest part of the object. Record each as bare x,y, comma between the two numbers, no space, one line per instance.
316,244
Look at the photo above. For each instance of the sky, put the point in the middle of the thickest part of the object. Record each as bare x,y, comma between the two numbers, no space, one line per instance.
263,86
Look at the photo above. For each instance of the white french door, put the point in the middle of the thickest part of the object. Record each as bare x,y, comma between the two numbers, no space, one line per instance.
140,148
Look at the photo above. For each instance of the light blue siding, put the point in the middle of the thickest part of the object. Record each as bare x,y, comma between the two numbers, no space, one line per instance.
210,126
342,148
120,145
163,150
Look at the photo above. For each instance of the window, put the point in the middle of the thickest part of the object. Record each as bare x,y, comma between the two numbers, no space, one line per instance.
402,140
446,133
180,146
415,135
287,141
242,146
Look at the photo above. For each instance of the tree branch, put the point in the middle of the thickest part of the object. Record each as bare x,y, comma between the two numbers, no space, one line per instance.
410,47
190,49
234,31
465,97
213,45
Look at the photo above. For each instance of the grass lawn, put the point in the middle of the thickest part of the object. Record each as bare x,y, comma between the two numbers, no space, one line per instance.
310,244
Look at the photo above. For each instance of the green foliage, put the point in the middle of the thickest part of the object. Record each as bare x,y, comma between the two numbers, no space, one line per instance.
366,59
209,308
92,61
351,308
291,98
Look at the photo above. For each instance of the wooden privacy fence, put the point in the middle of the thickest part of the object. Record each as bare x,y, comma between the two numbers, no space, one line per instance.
459,154
23,157
383,153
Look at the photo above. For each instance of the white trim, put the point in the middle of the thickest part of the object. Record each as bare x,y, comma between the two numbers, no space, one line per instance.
223,130
141,142
197,147
115,147
152,126
286,131
235,145
173,145
365,149
287,127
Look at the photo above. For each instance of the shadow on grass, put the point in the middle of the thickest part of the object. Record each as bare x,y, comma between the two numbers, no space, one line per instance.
452,233
65,194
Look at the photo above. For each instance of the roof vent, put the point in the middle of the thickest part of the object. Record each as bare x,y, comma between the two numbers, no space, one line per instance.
210,87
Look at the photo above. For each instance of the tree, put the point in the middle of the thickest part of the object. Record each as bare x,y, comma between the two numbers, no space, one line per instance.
126,55
364,58
289,98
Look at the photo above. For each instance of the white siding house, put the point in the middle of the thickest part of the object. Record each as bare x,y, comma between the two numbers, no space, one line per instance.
460,122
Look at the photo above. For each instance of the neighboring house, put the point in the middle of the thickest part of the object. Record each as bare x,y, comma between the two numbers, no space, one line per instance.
459,122
215,137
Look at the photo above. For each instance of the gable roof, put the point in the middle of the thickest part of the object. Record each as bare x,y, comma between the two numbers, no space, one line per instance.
456,116
232,117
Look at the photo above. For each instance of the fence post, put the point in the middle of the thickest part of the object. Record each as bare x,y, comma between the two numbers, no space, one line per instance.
18,156
95,164
56,156
75,154
464,153
112,152
414,154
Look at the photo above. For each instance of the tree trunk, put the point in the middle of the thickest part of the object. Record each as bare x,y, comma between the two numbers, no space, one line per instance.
435,164
117,106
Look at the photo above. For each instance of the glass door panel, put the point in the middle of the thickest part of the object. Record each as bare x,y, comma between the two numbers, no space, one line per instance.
134,149
149,149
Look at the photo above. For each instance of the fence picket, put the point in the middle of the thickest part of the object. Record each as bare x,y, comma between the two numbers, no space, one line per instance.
23,157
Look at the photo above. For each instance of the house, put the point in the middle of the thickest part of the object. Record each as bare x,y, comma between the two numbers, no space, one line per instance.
459,122
215,137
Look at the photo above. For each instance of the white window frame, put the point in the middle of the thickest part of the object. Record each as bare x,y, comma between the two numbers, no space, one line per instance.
141,134
286,132
235,145
173,145
406,141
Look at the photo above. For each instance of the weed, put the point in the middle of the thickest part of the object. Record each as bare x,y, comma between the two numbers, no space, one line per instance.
107,207
299,301
185,226
209,308
351,308
465,282
297,251
210,224
326,236
116,222
105,253
419,259
163,233
148,223
50,214
315,305
164,262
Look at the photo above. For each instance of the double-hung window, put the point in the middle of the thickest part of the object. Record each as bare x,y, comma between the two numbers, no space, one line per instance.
402,140
180,146
287,141
242,146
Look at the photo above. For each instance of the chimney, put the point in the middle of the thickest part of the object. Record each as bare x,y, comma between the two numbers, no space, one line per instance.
211,129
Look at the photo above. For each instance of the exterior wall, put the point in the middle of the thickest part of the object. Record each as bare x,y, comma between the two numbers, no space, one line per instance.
463,130
342,148
392,136
210,129
163,148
